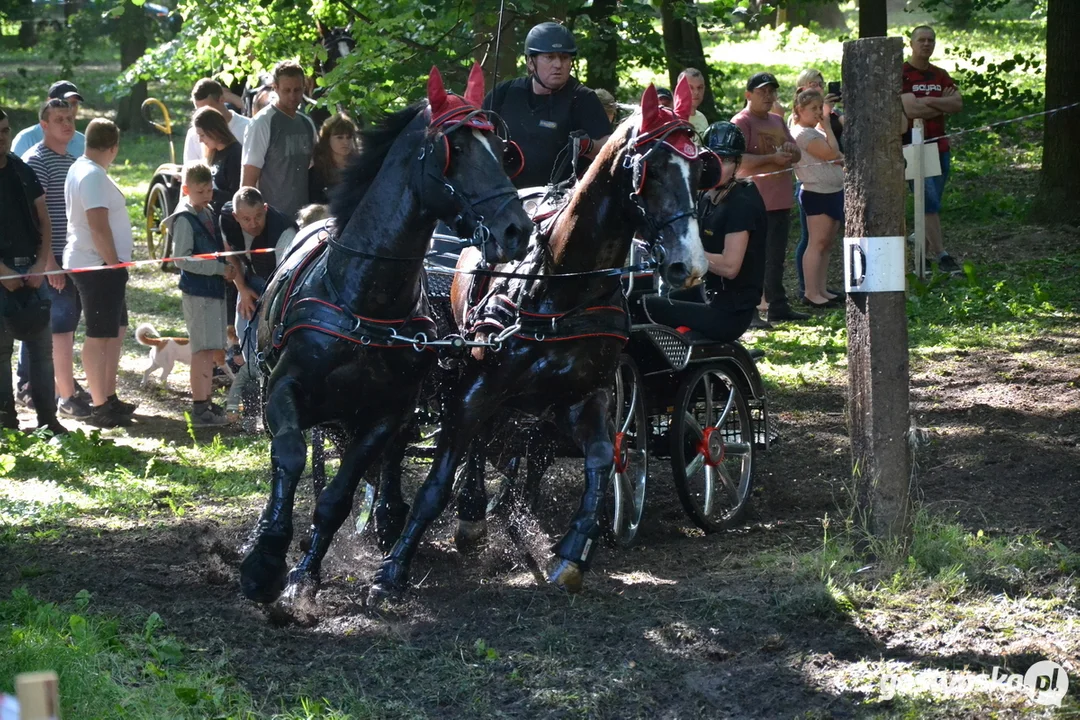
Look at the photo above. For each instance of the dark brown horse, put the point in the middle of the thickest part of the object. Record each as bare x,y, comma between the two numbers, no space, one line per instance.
339,319
571,323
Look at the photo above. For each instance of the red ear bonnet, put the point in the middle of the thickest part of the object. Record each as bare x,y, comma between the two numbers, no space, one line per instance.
450,109
684,103
658,121
436,92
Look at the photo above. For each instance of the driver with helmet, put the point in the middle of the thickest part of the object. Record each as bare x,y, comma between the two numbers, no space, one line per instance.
733,226
544,110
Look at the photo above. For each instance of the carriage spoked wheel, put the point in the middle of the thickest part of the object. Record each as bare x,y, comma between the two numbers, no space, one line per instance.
625,500
158,240
712,449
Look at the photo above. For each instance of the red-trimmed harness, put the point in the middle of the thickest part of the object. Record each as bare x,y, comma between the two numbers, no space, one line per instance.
311,313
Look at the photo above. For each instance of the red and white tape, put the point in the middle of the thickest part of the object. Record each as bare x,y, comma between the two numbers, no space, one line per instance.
136,263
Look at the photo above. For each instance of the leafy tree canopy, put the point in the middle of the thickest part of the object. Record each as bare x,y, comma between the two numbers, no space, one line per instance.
397,41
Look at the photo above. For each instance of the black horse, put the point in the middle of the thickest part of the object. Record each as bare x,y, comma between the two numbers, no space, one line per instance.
342,320
572,323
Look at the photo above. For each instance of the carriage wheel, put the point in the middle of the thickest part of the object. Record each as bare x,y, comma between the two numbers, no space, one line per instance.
625,502
158,241
712,449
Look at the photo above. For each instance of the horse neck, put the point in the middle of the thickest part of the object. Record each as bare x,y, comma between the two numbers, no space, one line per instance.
593,233
389,222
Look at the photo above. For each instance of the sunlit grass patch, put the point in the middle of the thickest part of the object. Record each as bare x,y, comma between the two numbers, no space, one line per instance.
129,667
81,478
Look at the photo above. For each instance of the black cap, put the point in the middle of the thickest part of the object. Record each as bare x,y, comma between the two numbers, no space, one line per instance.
762,79
664,93
64,90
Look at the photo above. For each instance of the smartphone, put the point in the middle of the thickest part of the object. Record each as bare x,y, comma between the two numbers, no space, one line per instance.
834,88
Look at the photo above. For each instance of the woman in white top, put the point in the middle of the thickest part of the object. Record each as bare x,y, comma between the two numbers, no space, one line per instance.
821,172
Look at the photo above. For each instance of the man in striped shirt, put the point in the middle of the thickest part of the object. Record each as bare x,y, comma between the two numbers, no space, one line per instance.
50,160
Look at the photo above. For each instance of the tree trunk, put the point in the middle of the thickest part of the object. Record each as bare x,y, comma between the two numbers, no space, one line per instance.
873,18
878,407
603,57
682,46
132,30
1059,183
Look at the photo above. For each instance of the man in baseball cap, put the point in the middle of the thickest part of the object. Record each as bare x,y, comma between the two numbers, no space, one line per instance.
31,136
66,91
760,80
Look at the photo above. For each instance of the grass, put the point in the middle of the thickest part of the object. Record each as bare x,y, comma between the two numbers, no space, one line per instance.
110,668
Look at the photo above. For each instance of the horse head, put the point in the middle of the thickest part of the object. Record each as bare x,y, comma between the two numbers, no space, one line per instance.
664,167
338,43
469,162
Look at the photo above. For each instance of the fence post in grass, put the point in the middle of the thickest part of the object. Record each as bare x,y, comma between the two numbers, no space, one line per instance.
874,196
39,695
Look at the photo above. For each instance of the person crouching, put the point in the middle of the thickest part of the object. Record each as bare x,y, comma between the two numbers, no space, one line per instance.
202,283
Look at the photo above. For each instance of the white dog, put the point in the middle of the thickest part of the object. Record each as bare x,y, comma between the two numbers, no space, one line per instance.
165,352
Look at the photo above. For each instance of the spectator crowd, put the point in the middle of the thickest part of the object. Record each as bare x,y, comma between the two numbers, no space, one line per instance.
247,181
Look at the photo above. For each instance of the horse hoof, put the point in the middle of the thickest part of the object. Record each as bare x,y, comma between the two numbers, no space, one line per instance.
298,599
567,575
390,580
379,596
470,535
262,576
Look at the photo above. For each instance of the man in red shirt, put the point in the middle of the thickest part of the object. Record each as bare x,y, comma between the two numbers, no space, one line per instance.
770,154
929,93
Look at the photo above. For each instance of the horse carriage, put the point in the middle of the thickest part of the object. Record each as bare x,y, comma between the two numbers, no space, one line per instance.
698,403
354,320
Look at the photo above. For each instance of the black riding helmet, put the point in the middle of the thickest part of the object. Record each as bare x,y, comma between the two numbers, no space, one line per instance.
550,37
725,139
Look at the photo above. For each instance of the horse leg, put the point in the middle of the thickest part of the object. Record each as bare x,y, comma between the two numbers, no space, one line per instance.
262,573
472,497
391,509
318,460
541,454
594,434
459,425
334,505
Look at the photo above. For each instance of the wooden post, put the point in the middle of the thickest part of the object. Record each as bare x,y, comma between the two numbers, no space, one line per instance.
39,696
874,195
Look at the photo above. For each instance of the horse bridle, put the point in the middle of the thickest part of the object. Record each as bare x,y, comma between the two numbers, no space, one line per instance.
467,212
636,160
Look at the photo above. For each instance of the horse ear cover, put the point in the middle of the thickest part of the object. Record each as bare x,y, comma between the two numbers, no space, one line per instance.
436,91
650,106
474,90
684,103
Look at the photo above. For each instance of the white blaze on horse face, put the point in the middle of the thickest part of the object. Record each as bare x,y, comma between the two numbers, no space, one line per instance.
693,254
484,141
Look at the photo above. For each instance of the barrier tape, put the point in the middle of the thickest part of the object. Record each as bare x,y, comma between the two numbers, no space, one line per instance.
229,253
927,141
136,263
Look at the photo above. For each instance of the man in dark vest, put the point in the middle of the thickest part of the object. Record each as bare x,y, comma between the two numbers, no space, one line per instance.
248,223
25,247
544,110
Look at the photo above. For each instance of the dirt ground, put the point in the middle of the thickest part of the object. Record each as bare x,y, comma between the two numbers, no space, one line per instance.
682,625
